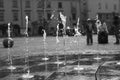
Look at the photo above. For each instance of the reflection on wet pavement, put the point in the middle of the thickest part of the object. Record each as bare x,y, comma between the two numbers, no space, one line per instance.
89,66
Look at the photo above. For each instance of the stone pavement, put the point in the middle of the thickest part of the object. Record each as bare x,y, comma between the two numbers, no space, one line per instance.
73,46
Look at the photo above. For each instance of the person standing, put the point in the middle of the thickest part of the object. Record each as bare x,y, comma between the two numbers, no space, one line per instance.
103,34
116,28
89,30
98,25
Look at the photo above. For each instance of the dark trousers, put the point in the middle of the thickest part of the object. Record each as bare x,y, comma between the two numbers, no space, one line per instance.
117,37
89,38
116,30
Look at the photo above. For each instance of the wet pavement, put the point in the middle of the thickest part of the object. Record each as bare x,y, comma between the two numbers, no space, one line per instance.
70,62
65,67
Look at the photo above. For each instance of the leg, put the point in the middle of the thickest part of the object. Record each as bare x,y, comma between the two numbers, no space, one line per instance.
117,34
107,37
117,38
87,39
91,39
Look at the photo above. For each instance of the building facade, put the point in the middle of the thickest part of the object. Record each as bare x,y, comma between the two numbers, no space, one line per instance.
104,8
39,13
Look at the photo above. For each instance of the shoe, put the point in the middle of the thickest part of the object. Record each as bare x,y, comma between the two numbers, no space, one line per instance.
90,44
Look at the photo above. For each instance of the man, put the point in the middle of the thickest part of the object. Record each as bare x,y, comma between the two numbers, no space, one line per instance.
116,29
89,30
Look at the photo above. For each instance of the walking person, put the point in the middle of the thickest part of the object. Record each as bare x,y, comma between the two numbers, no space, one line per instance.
116,29
89,34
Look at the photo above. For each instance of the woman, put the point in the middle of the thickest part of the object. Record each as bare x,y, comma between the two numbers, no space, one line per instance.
98,25
103,34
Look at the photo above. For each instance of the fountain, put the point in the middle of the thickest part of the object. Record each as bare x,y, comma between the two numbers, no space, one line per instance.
11,67
58,62
57,43
45,59
97,25
27,75
78,67
44,45
118,63
77,33
98,58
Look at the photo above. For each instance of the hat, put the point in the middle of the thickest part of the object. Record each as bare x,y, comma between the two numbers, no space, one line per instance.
88,20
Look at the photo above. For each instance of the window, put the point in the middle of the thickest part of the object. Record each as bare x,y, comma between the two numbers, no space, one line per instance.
27,4
1,15
84,3
103,16
40,15
115,7
73,16
48,16
15,4
48,4
73,9
40,4
15,16
59,4
106,6
1,4
99,5
28,13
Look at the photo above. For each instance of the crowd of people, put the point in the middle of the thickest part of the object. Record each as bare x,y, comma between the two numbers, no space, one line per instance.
102,31
101,26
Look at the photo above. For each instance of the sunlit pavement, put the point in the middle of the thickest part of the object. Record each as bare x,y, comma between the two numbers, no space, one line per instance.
69,46
72,45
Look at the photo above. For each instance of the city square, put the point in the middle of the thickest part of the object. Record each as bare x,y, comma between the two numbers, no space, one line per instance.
59,39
